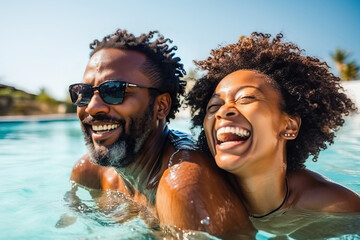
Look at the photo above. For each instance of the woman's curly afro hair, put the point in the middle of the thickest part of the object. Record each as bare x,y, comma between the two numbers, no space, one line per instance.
162,67
308,88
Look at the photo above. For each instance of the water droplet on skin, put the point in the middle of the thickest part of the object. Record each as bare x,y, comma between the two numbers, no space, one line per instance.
205,221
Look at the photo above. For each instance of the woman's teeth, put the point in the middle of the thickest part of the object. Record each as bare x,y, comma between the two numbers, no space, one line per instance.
106,127
227,134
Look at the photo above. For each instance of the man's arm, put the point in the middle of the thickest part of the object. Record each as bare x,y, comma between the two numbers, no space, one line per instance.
192,195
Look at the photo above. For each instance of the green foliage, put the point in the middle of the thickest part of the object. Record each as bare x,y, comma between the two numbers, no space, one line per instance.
5,92
44,97
17,102
348,70
14,93
340,56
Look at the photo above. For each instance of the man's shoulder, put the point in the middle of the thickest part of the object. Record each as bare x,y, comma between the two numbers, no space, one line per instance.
81,166
94,176
318,193
82,162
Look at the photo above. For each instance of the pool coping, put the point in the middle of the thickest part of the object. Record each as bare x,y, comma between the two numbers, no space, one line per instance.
38,118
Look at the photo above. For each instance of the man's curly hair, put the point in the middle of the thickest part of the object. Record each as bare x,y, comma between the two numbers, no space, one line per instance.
307,86
161,66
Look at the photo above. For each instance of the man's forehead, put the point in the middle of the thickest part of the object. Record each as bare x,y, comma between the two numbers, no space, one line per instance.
111,63
113,56
96,59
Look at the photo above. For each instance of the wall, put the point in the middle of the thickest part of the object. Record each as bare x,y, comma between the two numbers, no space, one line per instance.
352,88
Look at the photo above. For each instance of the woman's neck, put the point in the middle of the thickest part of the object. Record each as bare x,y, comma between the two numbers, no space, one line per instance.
264,192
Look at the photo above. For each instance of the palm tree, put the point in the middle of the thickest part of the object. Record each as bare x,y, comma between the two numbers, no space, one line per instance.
339,57
347,70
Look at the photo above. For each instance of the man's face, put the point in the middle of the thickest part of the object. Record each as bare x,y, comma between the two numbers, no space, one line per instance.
115,134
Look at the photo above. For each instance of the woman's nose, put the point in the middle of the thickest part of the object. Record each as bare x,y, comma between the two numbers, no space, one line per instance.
226,111
97,105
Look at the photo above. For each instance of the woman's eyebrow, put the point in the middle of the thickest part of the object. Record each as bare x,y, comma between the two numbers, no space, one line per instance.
238,89
250,86
215,95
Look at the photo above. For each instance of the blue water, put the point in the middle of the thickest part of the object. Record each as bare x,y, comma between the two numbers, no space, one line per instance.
36,159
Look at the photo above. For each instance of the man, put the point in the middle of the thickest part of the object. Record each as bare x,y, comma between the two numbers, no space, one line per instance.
130,90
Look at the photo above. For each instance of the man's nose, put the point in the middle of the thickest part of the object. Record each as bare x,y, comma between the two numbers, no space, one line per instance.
97,105
227,111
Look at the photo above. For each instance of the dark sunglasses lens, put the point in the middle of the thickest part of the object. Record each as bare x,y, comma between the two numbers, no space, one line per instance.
80,94
112,92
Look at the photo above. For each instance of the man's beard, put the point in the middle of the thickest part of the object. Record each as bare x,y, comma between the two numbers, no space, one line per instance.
126,148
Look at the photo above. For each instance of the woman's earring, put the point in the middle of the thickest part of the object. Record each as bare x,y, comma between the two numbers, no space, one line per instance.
289,135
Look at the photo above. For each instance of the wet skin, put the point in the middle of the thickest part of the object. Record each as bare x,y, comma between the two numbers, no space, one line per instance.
247,133
190,188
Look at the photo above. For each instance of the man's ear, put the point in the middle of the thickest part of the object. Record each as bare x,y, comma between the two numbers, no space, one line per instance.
162,105
292,127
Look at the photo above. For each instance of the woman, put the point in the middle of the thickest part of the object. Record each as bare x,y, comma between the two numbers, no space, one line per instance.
263,108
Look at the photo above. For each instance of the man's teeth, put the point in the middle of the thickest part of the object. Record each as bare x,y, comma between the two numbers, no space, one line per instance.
233,130
104,127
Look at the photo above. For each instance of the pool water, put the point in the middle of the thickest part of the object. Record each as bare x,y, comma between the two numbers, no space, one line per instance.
36,159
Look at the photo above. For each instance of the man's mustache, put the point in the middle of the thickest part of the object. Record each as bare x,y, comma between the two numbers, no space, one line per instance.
101,118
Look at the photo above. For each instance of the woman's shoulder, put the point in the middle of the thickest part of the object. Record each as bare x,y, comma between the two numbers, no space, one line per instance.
313,191
190,187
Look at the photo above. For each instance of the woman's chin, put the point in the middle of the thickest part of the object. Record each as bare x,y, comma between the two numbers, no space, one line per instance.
228,162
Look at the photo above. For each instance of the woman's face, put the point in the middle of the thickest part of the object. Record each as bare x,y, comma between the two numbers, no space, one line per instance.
244,124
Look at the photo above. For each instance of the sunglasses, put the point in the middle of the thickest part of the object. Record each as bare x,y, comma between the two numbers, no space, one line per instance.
111,92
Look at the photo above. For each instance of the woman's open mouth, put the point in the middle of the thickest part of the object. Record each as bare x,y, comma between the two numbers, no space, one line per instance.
228,137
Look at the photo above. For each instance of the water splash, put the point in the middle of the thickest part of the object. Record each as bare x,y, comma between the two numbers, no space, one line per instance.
205,221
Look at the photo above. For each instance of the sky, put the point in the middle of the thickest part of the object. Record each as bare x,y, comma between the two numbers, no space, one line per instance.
45,44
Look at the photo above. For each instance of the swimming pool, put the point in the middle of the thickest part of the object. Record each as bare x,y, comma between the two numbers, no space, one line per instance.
37,157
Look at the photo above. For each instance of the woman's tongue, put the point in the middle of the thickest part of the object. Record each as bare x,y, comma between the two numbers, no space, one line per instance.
230,137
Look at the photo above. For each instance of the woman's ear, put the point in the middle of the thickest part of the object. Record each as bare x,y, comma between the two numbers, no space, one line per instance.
292,127
162,105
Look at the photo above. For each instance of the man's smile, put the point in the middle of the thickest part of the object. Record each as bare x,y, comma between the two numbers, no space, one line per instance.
104,128
108,132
